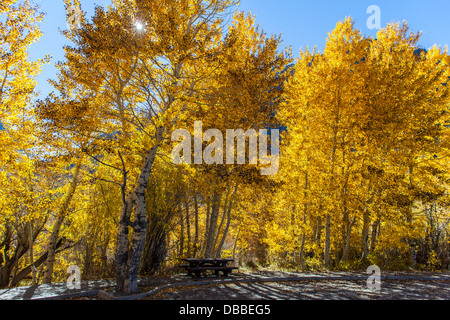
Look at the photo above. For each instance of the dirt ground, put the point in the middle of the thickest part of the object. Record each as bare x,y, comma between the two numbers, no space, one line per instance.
263,285
313,286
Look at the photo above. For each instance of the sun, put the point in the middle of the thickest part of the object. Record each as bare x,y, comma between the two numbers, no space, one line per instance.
139,26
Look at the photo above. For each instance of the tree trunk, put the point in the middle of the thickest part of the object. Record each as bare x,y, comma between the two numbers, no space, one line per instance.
345,232
334,149
31,253
188,227
104,256
348,240
212,224
366,223
181,246
365,234
327,241
127,270
10,268
207,225
155,250
224,235
318,233
346,227
27,270
409,218
6,265
196,246
222,220
302,252
51,249
375,232
448,250
122,249
305,212
89,254
60,216
156,246
235,242
227,226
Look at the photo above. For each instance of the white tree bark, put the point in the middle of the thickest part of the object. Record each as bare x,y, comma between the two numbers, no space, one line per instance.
61,215
128,260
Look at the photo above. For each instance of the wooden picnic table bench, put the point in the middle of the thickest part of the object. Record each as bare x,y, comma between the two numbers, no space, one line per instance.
197,266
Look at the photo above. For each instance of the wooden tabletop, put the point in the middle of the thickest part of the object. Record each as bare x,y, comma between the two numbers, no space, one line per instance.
207,259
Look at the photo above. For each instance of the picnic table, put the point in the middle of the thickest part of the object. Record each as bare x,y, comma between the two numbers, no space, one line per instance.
197,266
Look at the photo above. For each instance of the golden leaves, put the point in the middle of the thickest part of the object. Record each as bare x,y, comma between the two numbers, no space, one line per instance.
363,104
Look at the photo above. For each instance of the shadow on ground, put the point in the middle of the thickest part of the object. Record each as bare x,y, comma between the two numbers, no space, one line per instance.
259,286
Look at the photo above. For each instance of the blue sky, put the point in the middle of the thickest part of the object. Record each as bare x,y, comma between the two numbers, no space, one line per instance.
302,23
